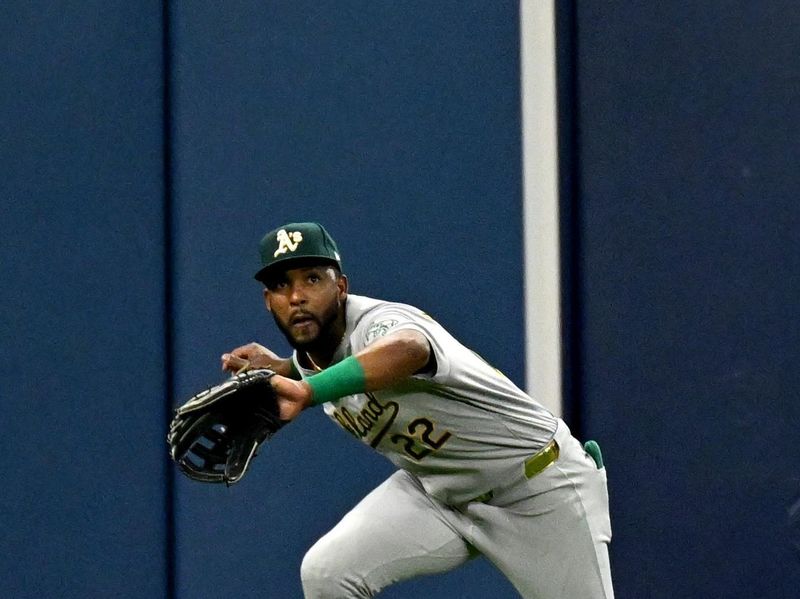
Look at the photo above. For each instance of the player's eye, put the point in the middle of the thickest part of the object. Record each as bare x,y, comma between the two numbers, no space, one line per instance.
277,285
314,278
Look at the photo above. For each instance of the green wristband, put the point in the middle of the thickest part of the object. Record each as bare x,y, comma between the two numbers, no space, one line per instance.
345,378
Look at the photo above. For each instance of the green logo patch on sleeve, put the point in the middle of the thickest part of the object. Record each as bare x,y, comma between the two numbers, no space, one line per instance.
380,328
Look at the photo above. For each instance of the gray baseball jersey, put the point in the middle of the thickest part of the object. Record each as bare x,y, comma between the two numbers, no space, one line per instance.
461,430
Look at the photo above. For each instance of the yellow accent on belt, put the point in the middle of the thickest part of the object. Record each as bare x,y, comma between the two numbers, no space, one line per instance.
541,459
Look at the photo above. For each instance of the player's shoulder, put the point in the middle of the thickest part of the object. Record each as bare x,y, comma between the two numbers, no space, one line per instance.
370,318
360,307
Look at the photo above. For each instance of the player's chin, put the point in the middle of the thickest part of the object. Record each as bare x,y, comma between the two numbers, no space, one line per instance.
304,336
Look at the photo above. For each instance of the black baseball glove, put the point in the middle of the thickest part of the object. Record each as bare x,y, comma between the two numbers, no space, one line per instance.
215,435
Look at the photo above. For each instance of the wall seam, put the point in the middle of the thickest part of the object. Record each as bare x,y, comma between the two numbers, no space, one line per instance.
570,214
169,342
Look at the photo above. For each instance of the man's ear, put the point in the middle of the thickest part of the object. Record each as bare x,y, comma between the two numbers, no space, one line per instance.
266,300
342,284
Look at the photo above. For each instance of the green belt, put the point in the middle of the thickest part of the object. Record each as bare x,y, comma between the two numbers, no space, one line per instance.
533,466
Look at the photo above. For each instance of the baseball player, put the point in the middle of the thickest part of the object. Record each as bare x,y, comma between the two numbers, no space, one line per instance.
483,469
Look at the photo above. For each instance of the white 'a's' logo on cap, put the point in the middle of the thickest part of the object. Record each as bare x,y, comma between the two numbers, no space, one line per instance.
287,242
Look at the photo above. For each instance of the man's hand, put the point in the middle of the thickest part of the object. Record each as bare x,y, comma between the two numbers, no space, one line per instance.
292,396
252,356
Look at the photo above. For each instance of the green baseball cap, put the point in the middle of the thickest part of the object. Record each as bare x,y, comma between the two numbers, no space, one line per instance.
296,241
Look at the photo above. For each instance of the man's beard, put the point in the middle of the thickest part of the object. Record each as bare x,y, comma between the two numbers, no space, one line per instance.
325,324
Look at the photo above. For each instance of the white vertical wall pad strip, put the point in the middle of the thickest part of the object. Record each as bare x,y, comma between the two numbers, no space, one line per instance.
540,203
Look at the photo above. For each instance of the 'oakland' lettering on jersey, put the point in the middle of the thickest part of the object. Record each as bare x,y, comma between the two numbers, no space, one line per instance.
367,418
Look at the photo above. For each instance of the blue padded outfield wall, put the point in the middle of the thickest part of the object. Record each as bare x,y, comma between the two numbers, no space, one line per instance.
146,147
398,127
686,271
82,358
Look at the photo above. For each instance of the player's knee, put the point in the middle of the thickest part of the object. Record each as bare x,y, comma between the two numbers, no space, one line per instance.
318,572
323,575
312,569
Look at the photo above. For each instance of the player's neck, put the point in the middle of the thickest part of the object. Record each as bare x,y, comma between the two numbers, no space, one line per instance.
321,355
313,363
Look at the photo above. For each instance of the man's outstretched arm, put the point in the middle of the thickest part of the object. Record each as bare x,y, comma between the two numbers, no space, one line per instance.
382,364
